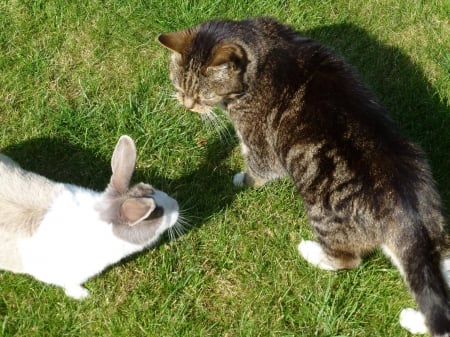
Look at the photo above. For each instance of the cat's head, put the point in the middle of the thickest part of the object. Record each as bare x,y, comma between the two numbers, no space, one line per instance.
206,66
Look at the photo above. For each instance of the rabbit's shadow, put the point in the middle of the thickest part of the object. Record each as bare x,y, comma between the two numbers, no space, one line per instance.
399,83
61,161
196,192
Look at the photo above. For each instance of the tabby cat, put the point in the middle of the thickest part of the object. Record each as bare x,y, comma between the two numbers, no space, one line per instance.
300,111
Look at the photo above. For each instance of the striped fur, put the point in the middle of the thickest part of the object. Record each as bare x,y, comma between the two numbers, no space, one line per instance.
300,111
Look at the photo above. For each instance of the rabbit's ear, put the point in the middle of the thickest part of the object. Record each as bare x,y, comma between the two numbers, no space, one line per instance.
134,210
122,164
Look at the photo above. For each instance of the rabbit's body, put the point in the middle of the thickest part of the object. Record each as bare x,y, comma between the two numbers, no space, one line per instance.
64,234
24,197
20,210
65,250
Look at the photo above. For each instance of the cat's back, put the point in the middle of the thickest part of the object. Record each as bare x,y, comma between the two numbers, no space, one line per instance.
322,122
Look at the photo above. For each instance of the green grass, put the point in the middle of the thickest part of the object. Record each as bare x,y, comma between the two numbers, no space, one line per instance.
74,76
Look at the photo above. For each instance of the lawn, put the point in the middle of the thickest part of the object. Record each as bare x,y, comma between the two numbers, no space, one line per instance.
74,76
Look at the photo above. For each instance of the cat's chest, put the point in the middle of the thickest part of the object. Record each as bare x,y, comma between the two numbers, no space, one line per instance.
254,136
245,150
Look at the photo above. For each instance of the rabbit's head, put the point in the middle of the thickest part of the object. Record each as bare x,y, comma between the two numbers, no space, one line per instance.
139,214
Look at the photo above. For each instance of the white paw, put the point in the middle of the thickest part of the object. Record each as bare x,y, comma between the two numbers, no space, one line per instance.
314,254
445,267
239,179
77,292
413,321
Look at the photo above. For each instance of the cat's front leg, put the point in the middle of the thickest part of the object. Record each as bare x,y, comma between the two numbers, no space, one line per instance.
256,168
248,178
242,179
313,253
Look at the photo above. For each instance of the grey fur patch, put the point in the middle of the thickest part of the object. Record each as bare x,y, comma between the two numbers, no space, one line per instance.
25,198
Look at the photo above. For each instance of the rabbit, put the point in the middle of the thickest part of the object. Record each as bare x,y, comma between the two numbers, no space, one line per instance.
64,234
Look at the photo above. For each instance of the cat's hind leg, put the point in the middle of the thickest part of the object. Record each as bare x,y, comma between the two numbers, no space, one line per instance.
338,244
314,253
413,321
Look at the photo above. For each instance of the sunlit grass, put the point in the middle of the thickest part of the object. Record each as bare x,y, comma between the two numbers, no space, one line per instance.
74,76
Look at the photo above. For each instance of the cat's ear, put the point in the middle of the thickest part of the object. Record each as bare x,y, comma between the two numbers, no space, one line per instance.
226,54
177,41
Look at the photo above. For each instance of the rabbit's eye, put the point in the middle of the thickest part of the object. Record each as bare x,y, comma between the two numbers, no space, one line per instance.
157,213
150,192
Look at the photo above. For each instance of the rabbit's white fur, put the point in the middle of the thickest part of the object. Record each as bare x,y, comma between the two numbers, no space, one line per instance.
61,234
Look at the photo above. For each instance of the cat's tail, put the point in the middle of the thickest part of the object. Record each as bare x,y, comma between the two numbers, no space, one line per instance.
419,260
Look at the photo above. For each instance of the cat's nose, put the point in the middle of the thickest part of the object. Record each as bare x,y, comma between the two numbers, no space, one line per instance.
188,102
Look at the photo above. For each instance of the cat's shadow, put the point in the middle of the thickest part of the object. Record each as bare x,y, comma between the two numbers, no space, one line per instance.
403,88
399,83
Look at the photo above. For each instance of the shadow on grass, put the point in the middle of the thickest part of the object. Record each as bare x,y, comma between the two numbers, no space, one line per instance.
399,83
61,161
402,87
197,192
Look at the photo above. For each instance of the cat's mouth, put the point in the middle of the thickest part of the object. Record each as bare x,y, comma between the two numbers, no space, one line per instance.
201,109
195,106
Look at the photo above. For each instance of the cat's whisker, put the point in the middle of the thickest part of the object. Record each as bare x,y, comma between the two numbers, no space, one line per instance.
206,119
173,96
224,129
217,125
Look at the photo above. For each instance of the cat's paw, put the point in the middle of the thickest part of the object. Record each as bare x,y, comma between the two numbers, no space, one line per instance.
413,321
77,292
239,179
242,179
445,267
314,254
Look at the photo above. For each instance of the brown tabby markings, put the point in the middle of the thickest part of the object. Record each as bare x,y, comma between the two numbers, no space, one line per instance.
300,110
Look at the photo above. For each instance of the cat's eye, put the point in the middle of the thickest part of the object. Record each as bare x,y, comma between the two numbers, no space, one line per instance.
209,101
222,67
